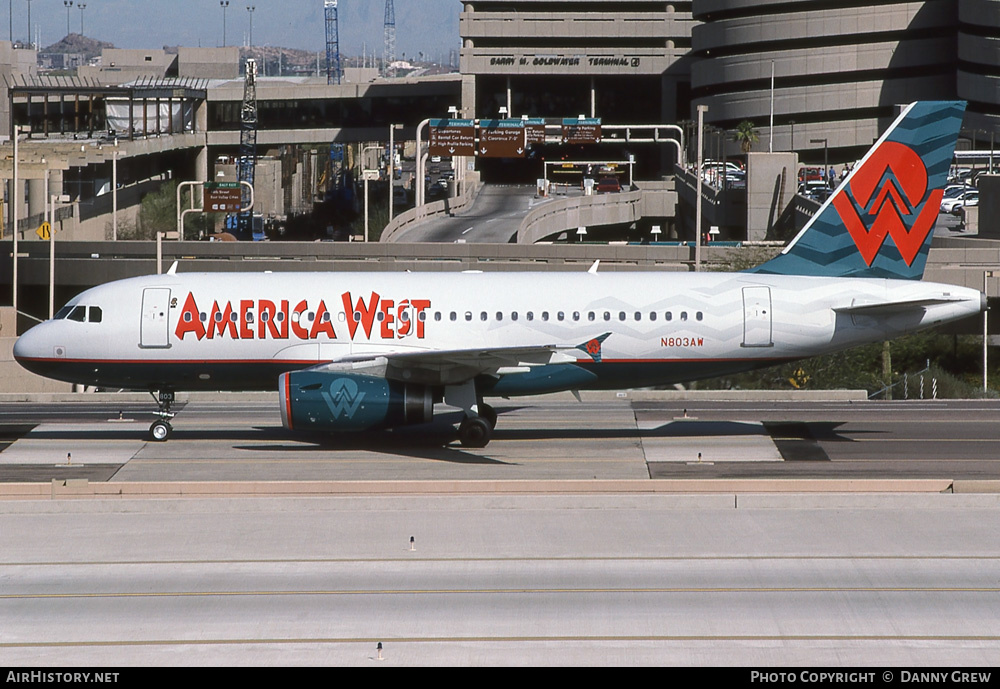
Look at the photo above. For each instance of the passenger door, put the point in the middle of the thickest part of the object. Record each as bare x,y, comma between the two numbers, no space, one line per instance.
757,317
154,329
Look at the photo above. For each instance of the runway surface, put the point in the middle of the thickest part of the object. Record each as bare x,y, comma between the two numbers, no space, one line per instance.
501,580
612,577
604,437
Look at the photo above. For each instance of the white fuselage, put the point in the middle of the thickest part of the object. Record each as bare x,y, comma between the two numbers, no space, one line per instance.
240,331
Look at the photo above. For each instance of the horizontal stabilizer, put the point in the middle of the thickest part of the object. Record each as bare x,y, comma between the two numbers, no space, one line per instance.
890,307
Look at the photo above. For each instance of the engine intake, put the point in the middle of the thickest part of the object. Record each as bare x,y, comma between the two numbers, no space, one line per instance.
324,401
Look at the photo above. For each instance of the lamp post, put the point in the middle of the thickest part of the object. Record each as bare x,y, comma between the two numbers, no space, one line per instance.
392,163
82,7
224,4
791,136
67,4
366,173
702,109
826,158
30,42
986,329
13,221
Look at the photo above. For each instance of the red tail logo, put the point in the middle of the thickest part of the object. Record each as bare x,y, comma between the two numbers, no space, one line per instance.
885,198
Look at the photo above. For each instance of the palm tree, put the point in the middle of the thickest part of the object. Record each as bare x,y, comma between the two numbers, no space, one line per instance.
746,135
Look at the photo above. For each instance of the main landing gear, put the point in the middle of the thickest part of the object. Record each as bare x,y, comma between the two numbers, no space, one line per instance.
161,429
476,430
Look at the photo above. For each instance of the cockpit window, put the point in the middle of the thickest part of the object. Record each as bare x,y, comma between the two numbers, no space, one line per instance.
80,313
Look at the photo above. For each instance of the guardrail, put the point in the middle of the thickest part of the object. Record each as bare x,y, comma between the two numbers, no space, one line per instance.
468,191
560,215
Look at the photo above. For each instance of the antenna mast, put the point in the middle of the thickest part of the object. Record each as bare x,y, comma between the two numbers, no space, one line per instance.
389,52
332,43
247,163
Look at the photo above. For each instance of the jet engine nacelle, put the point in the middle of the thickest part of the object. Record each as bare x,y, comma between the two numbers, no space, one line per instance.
327,401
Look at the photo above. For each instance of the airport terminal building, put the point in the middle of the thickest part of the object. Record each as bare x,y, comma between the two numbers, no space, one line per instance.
839,68
626,62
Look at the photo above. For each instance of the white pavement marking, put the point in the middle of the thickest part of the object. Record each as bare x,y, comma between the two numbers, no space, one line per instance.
716,441
110,442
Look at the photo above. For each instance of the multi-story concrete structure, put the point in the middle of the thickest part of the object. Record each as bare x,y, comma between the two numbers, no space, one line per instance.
979,62
839,68
16,65
621,61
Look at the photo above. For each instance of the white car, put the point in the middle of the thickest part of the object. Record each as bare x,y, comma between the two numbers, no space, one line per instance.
966,198
953,191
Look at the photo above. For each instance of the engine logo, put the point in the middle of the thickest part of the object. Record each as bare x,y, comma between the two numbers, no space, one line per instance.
343,399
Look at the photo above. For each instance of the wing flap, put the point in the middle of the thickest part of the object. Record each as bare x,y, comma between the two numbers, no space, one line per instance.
451,367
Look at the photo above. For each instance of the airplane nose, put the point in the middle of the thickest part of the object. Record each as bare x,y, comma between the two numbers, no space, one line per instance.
31,345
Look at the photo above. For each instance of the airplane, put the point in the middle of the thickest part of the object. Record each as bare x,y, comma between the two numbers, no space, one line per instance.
369,351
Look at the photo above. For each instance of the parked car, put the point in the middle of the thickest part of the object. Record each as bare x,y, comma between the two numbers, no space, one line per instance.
817,190
810,174
955,190
608,184
959,174
966,198
715,172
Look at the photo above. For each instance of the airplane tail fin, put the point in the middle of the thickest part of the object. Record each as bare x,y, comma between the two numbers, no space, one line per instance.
880,220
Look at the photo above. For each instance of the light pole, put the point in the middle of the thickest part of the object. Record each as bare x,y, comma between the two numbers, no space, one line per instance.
82,7
418,186
986,328
67,4
791,136
224,4
392,163
366,173
826,158
16,196
702,109
30,42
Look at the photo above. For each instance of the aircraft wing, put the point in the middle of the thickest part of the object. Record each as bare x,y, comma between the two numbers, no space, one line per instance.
451,367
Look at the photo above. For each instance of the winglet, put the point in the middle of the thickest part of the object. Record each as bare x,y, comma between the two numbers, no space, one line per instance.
593,268
593,347
173,269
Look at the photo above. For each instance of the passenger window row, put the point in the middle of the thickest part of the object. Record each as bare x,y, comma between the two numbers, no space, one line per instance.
484,316
574,316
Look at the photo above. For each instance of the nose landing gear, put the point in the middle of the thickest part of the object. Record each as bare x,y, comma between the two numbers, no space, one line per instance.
161,429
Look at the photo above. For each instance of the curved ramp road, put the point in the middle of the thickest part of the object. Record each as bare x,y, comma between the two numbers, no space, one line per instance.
493,218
